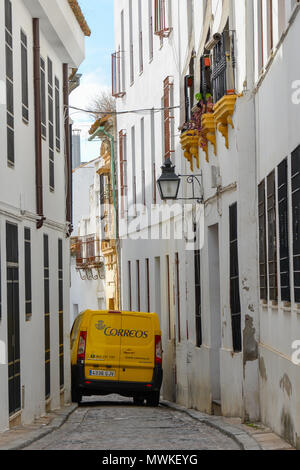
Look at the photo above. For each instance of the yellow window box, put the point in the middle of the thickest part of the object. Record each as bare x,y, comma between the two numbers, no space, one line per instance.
190,145
223,112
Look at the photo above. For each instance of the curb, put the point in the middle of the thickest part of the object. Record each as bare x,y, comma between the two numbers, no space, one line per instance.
242,438
60,417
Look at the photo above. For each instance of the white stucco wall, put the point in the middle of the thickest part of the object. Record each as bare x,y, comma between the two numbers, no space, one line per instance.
18,206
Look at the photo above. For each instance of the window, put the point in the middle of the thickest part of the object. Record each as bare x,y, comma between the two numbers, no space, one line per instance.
148,285
161,14
296,220
28,291
133,167
61,312
169,294
9,85
138,287
262,242
102,196
51,125
284,231
123,171
177,280
13,318
117,73
43,98
131,43
272,250
129,286
168,90
47,315
205,73
198,298
270,25
150,12
141,53
223,70
235,304
143,194
122,52
152,131
24,72
57,114
260,36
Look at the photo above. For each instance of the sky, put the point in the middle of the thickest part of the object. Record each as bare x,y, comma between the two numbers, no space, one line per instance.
95,70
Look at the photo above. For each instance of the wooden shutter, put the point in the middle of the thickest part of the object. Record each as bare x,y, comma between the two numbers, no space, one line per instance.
198,312
235,304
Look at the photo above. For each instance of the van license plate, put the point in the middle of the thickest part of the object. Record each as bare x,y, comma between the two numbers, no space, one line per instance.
102,373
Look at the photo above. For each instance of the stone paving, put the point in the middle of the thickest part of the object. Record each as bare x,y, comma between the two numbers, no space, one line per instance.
114,423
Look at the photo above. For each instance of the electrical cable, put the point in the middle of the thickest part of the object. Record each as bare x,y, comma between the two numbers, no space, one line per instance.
116,113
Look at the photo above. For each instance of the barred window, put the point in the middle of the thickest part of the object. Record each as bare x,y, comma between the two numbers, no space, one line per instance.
296,220
284,231
272,238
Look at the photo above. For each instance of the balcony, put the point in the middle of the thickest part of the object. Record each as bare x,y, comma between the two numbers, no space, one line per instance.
89,262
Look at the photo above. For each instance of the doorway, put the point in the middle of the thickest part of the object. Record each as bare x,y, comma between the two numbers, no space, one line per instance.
215,313
13,319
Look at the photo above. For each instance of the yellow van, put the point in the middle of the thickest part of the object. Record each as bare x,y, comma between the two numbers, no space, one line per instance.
117,352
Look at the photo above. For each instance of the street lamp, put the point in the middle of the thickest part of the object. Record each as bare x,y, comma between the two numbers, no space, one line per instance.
169,183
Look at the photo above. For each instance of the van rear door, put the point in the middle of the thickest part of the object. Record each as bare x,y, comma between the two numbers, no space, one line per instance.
102,357
137,347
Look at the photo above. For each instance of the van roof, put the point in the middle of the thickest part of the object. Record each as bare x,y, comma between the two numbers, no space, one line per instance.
122,312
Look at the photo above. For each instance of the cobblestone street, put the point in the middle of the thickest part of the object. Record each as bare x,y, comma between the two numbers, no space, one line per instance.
114,423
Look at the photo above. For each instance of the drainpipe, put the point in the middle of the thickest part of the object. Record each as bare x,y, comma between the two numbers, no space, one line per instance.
67,148
37,117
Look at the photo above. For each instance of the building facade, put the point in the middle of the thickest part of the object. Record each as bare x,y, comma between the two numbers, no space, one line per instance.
201,78
94,246
41,44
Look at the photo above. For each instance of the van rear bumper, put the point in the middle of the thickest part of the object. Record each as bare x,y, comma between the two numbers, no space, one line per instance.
106,387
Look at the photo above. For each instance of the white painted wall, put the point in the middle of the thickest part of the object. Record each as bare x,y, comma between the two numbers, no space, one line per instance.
63,41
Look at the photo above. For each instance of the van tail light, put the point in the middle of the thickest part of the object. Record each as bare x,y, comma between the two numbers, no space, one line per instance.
158,350
81,346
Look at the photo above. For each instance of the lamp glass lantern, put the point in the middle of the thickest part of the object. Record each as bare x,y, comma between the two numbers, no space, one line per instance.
168,183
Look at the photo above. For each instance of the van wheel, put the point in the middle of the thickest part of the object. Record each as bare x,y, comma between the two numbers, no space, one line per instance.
153,399
138,401
76,395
